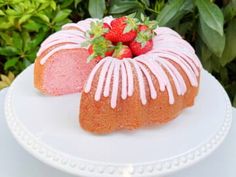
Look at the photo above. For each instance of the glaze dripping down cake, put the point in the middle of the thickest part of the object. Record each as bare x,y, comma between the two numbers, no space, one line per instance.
132,77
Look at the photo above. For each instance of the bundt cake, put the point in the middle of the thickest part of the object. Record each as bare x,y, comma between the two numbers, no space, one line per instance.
132,74
148,89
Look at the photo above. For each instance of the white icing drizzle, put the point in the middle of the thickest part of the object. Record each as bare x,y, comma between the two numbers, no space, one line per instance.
130,78
153,92
177,84
124,82
67,38
91,76
101,80
155,72
53,43
175,74
108,79
140,82
182,63
166,81
84,25
63,35
169,48
70,25
115,84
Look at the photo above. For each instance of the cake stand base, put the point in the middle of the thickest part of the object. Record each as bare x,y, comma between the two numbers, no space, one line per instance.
47,127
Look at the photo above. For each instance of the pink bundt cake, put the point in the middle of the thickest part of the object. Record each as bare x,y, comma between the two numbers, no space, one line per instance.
137,76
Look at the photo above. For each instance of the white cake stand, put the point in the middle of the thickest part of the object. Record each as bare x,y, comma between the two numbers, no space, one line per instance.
47,127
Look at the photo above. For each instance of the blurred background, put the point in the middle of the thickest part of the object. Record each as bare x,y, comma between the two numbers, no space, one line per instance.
209,25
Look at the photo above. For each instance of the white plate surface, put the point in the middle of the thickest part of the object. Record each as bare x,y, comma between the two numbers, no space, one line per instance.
48,128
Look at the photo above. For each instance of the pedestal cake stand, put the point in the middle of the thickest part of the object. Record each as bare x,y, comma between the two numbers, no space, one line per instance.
48,128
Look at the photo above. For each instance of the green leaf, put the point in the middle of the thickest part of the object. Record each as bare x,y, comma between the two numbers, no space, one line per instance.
234,101
119,6
204,54
230,51
5,79
11,76
146,2
38,39
229,11
66,3
3,85
2,13
184,27
27,62
12,12
17,40
53,5
215,63
24,18
173,12
32,26
211,15
97,8
62,15
8,51
76,3
32,55
6,25
142,17
26,39
7,39
10,63
214,41
224,76
127,29
43,17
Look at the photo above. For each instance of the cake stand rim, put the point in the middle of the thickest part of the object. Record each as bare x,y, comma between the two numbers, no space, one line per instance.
77,166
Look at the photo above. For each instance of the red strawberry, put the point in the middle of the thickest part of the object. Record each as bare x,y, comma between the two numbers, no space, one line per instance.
98,29
146,22
106,26
123,29
137,48
91,52
142,27
142,43
122,51
100,48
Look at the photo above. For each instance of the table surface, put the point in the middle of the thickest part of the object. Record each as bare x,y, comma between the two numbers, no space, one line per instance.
16,162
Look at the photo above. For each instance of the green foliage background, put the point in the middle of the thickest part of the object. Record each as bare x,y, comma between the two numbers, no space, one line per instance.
210,26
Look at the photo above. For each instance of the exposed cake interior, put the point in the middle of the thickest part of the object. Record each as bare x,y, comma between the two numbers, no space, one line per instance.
65,72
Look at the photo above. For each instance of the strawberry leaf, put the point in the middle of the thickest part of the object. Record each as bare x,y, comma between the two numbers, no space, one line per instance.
142,17
90,58
143,44
85,44
127,29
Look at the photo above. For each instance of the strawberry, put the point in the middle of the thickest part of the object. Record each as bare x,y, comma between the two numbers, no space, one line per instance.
142,27
106,26
146,23
122,51
142,43
98,29
123,29
100,48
